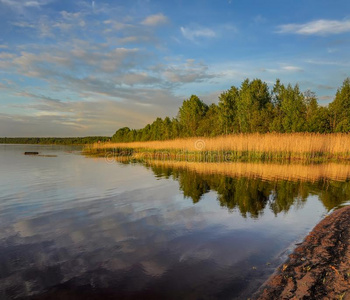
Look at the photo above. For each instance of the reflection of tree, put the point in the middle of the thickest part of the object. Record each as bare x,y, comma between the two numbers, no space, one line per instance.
286,193
192,185
334,193
251,195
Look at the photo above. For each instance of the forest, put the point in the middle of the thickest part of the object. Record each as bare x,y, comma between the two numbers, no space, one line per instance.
251,108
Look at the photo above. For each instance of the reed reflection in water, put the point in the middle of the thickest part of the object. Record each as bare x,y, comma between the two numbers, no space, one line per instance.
250,187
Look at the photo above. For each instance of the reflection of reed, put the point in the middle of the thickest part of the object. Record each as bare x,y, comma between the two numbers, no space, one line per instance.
291,172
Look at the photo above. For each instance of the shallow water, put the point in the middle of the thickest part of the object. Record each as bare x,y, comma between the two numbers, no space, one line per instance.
74,227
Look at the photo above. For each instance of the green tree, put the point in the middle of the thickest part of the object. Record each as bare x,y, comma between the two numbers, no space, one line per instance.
157,130
254,98
317,117
340,108
228,110
276,112
190,115
167,129
121,135
175,128
293,109
146,133
209,125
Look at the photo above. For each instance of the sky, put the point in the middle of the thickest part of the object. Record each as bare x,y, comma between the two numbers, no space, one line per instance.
83,68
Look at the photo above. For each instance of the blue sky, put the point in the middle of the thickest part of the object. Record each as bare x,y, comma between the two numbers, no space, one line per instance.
77,68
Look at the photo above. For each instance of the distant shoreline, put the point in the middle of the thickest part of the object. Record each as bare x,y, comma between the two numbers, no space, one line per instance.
54,140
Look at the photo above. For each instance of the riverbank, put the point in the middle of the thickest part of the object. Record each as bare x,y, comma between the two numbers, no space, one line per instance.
319,268
269,147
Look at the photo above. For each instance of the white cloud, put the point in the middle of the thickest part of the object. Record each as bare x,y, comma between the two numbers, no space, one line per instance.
6,55
32,4
328,63
94,115
23,25
187,72
155,20
20,5
318,27
292,69
71,16
198,32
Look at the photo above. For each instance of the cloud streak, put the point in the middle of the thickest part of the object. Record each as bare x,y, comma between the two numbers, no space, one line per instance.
318,27
194,33
20,6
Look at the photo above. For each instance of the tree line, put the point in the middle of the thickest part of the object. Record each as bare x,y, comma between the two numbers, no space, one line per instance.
55,140
252,107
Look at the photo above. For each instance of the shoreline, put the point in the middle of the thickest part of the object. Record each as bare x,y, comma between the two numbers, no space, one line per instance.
319,267
253,147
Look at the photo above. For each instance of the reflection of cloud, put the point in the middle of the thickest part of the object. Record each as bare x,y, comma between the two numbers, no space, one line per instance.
139,240
153,268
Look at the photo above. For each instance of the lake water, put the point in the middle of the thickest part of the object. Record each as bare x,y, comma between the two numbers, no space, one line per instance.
73,227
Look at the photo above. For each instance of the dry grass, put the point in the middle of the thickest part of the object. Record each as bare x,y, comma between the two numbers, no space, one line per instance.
268,171
294,145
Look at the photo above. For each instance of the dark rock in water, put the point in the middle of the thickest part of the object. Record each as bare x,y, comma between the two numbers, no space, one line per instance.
31,153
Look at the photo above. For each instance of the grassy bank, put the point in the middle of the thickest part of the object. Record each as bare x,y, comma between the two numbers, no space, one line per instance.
243,147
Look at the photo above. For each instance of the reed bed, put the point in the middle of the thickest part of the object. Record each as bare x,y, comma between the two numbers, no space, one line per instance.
265,171
269,147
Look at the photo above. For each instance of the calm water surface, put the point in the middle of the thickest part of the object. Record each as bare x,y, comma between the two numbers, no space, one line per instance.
80,228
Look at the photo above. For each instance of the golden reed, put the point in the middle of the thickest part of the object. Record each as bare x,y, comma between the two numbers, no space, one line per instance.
295,144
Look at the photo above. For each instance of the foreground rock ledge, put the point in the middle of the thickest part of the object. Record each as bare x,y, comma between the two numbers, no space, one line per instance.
319,268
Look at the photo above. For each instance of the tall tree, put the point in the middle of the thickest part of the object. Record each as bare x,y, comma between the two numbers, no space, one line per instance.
121,135
157,130
253,98
277,113
293,109
228,110
167,129
210,125
340,108
190,114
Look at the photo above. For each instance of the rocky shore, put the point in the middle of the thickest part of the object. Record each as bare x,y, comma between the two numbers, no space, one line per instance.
319,268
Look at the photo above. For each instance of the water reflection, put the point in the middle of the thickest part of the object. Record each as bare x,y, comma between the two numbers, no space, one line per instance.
77,228
243,187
